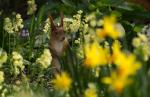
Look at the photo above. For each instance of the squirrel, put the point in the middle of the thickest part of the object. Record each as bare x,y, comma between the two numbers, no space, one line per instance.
58,43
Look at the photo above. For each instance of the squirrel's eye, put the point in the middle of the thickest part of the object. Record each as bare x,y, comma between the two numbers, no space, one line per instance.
62,39
56,33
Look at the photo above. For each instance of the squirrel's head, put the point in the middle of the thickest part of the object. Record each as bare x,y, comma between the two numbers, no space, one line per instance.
58,40
57,32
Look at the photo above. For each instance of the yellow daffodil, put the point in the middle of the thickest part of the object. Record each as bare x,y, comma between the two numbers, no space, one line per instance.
116,48
116,82
110,28
95,55
126,66
62,82
126,63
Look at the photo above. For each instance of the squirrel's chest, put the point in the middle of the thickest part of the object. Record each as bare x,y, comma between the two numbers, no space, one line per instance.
58,47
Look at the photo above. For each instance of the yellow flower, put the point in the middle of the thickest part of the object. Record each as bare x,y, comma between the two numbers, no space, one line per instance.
91,91
62,82
110,28
101,33
116,48
126,63
95,55
116,82
126,66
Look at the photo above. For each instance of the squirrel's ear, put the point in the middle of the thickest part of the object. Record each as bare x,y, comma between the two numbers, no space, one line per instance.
53,27
62,17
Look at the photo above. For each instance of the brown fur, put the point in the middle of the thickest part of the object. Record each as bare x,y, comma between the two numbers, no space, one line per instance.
58,43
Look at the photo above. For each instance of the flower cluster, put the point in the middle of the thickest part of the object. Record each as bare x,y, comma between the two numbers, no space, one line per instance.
31,7
142,45
91,18
18,23
45,59
17,60
8,26
98,55
13,25
91,91
47,25
74,24
3,57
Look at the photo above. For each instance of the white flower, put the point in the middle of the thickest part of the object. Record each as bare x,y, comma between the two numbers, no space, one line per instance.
75,23
80,12
85,28
1,76
74,27
17,61
67,22
32,7
141,42
3,57
136,42
18,23
8,26
47,26
13,25
45,59
93,23
90,17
